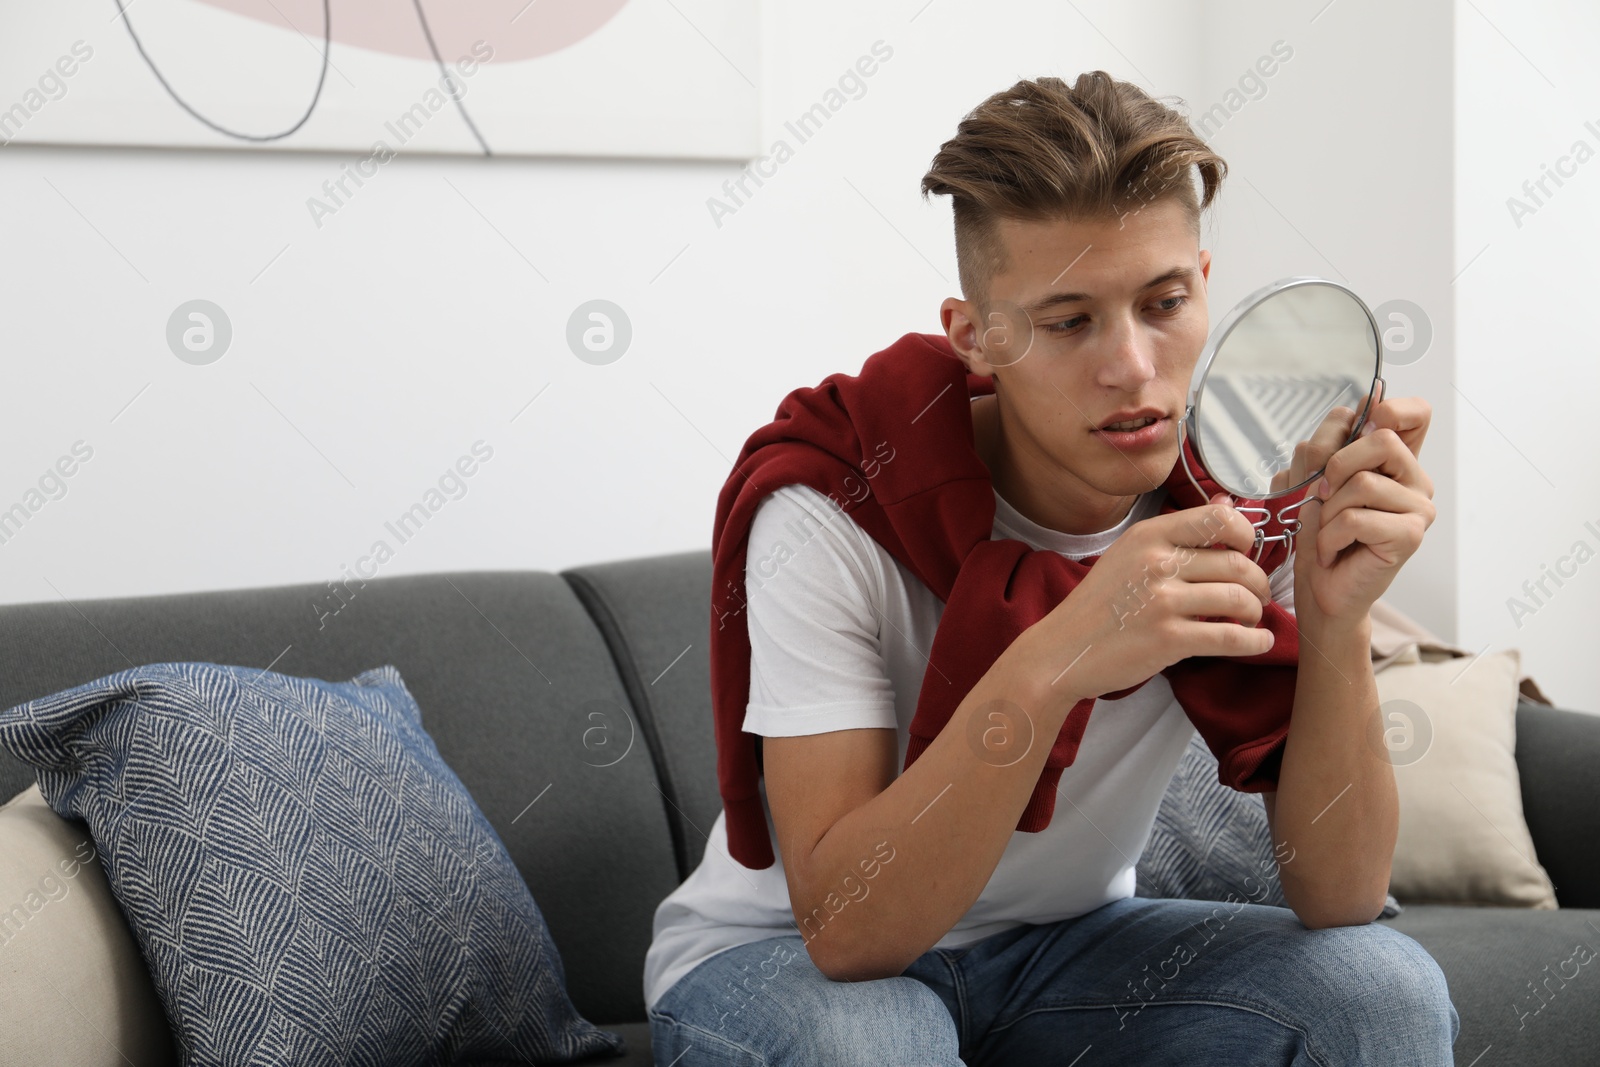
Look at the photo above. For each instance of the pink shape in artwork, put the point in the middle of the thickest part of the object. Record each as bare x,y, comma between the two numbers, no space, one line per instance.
515,29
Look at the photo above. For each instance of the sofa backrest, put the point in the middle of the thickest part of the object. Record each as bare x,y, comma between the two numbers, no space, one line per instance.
655,615
518,688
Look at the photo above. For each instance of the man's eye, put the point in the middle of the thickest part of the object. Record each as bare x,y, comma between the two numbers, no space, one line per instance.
1066,326
1177,302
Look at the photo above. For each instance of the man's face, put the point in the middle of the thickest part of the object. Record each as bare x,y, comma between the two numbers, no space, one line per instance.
1093,324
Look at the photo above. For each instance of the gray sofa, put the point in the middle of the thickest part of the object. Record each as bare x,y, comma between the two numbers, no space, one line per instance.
575,708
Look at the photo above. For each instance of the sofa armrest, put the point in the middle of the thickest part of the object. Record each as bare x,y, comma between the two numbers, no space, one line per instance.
1558,752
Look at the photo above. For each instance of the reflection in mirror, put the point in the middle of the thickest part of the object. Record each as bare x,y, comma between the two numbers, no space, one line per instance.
1302,356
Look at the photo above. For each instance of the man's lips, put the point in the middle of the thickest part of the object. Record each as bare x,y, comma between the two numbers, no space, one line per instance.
1129,425
1131,419
1135,432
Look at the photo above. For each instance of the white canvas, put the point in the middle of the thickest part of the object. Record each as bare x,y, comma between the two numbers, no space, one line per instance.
655,78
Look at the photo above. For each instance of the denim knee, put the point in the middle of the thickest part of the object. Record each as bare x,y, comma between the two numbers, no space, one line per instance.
1383,983
886,1022
766,1003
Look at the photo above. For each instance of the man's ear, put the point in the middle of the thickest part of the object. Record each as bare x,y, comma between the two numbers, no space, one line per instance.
960,319
1205,266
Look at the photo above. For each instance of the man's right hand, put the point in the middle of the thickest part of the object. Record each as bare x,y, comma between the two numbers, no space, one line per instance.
1159,594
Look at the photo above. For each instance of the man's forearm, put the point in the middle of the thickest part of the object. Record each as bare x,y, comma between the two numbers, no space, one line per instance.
1337,807
946,822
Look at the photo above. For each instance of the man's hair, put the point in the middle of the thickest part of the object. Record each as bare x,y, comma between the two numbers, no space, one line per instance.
1100,149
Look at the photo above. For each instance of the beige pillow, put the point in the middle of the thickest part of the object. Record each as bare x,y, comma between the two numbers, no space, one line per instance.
1450,730
73,984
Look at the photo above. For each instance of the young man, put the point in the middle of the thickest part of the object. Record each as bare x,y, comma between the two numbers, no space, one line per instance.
900,616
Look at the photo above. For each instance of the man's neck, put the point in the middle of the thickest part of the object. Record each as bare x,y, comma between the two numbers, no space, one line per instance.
1033,484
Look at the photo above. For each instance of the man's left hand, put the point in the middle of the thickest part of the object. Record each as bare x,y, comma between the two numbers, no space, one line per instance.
1366,516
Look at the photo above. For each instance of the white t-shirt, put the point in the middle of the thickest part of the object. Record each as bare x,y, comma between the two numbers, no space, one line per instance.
839,632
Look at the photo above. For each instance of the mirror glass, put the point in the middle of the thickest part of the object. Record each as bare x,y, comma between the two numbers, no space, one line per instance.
1294,362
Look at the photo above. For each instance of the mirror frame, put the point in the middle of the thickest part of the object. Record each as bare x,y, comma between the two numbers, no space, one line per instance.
1191,423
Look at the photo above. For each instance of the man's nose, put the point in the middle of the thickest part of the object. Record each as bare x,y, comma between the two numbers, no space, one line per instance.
1127,363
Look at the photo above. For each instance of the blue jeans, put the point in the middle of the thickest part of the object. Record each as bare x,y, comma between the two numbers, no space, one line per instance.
1137,981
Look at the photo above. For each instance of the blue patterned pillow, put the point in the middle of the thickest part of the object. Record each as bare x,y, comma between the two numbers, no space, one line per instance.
308,881
1210,841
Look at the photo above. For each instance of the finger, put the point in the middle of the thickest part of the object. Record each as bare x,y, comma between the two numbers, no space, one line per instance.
1207,525
1382,451
1196,566
1333,431
1313,454
1392,538
1408,416
1212,600
1369,489
1222,638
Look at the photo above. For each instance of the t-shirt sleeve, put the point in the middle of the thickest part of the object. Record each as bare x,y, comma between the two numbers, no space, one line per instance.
1280,583
813,593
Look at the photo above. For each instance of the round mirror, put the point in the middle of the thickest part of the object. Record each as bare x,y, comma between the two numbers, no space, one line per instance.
1297,362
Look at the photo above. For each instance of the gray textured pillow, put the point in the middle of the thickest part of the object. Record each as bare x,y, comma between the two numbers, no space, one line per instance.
308,881
1210,841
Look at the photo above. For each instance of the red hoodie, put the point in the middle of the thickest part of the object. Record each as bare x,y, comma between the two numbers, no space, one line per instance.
893,446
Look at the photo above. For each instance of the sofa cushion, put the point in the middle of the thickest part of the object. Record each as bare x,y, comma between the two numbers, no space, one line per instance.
306,878
506,666
74,987
1212,842
1526,982
1449,727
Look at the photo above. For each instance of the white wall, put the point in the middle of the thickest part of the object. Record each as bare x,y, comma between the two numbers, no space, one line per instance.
1527,89
1341,167
374,351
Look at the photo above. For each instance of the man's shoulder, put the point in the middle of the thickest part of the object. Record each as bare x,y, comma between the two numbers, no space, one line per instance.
805,535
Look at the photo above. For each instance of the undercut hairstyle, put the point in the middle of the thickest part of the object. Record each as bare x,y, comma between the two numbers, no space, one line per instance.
1097,150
